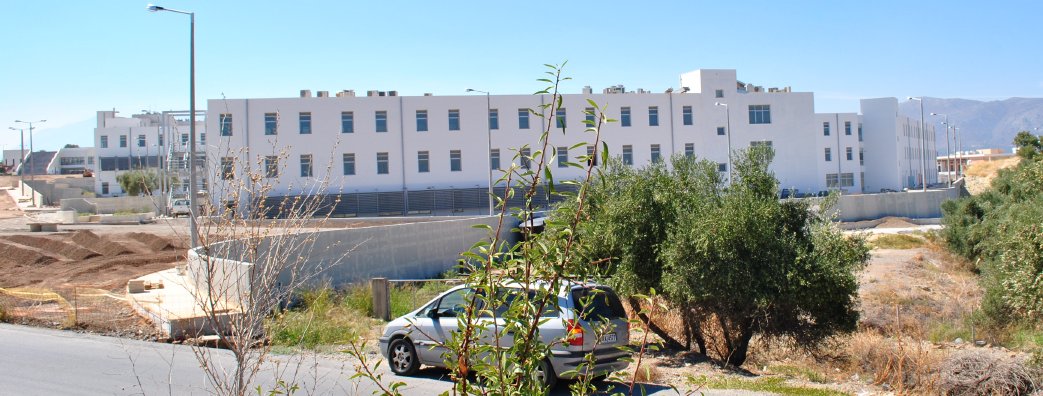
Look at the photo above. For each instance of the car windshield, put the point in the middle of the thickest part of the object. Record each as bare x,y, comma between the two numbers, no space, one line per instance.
597,302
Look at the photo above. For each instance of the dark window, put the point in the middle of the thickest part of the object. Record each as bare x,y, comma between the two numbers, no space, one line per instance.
825,129
720,131
271,123
454,120
563,156
760,114
628,154
560,118
271,166
494,159
653,116
523,118
455,161
689,150
347,122
349,164
526,158
423,162
382,121
624,116
421,120
227,168
847,128
306,168
382,163
686,115
225,120
494,119
304,120
123,140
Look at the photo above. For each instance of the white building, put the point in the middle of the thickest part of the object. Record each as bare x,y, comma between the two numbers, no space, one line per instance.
143,141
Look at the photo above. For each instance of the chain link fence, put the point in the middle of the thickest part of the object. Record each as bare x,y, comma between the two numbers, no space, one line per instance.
66,307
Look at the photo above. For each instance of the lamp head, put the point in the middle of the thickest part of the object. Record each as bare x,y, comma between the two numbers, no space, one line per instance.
720,104
153,8
470,90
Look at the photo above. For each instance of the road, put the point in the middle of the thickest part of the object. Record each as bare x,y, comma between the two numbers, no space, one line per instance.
37,361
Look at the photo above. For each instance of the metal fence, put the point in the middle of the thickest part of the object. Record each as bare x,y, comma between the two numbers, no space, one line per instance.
396,297
66,307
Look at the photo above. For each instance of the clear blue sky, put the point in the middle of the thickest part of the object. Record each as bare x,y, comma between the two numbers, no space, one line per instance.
67,59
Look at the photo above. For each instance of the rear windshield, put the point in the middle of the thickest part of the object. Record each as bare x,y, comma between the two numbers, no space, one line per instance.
597,303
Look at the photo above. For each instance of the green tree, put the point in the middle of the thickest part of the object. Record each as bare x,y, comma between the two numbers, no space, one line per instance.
138,182
1028,145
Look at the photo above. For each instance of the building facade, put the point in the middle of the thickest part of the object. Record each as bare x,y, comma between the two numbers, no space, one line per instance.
155,141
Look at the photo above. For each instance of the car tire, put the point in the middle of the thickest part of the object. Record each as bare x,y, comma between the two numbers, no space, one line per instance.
545,374
402,357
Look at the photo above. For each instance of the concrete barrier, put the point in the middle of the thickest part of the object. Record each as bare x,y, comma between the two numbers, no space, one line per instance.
110,205
912,204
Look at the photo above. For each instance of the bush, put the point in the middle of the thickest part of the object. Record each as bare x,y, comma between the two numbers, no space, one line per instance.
982,371
321,319
896,241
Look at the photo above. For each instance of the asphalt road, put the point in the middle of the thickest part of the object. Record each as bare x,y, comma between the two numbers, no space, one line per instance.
37,361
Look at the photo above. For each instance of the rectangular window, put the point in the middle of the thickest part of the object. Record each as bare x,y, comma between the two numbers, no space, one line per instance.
628,154
847,128
271,123
560,118
861,157
90,160
104,143
349,164
850,154
653,116
523,118
624,116
382,163
761,143
860,131
655,153
825,129
563,156
304,120
720,131
225,120
832,180
141,140
526,158
760,114
382,121
829,154
454,120
421,120
202,138
422,162
718,93
689,150
722,166
592,156
271,166
105,188
494,159
588,117
686,115
494,119
123,140
347,122
306,168
227,168
455,161
847,180
184,139
160,140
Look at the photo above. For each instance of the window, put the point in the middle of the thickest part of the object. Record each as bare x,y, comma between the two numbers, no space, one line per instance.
306,168
847,128
720,131
847,180
655,153
382,163
271,166
686,115
382,121
271,123
592,156
829,155
760,114
689,150
304,120
861,157
624,116
227,168
225,120
454,120
422,162
349,164
526,160
722,167
421,120
455,161
90,160
563,156
161,140
718,93
560,117
860,131
104,143
494,119
761,143
588,117
850,154
123,140
653,116
832,180
825,129
628,154
202,138
523,118
184,139
105,188
347,122
141,140
494,159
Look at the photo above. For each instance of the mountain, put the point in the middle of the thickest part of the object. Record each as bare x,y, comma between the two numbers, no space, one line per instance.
990,124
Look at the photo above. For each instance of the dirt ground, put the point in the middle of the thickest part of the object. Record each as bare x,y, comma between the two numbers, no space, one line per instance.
979,174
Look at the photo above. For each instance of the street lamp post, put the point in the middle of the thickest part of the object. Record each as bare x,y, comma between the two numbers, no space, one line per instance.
948,152
728,133
489,143
958,139
923,145
21,161
32,173
193,208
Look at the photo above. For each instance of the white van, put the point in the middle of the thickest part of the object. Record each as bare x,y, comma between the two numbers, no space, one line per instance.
181,206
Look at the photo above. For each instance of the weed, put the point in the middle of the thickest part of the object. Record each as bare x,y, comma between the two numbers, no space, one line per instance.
320,320
775,385
896,241
799,372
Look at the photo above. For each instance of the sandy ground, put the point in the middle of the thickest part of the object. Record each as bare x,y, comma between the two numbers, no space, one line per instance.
979,174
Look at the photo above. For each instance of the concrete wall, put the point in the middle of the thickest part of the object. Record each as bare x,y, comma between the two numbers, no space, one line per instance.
51,192
912,204
155,204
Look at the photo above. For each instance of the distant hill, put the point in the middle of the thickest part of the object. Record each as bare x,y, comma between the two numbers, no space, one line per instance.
983,124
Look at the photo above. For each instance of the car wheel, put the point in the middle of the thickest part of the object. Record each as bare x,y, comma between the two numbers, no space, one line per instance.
545,374
402,357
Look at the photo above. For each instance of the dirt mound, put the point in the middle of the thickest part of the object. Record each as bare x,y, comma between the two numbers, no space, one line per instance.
20,256
101,245
154,242
896,222
66,250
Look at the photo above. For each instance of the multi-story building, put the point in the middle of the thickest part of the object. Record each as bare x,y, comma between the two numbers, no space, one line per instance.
152,140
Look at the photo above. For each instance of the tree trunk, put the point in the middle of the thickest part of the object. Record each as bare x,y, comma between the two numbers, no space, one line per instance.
668,341
738,350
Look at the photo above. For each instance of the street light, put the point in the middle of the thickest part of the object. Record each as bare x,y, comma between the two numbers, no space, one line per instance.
193,209
923,145
489,144
32,174
728,132
21,161
948,152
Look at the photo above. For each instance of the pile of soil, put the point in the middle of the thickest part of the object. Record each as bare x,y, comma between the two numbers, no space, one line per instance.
98,244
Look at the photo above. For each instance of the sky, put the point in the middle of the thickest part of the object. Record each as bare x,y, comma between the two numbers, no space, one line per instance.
68,59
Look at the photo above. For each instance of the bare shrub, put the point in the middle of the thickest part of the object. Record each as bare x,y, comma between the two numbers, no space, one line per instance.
986,372
903,364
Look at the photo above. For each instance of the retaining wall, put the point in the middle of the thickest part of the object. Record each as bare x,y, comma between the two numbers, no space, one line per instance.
912,204
110,205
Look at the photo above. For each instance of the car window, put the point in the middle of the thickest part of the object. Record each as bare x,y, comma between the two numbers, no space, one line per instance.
507,296
455,303
597,303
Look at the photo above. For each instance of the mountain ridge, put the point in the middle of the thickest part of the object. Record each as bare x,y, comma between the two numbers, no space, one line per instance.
983,124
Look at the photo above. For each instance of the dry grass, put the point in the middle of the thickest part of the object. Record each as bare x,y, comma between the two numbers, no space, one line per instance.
902,363
986,372
989,168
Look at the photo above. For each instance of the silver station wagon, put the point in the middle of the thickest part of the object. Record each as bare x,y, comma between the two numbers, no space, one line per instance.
417,338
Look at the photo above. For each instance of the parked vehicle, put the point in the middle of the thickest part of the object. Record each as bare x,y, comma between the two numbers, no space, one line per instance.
181,206
417,337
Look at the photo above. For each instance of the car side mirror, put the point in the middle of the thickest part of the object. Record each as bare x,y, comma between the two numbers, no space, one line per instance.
432,313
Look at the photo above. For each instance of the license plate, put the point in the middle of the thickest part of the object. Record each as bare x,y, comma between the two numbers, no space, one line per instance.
609,338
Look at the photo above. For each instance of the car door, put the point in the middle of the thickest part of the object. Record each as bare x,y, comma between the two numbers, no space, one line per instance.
438,323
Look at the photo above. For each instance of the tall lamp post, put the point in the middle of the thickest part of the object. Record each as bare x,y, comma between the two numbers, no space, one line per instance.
21,161
489,143
948,152
923,145
728,133
32,173
193,208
